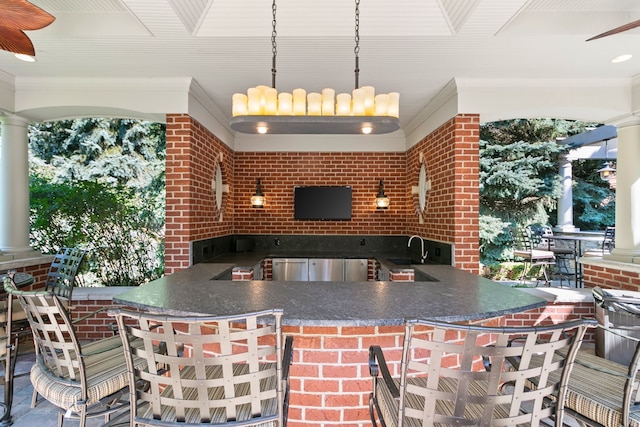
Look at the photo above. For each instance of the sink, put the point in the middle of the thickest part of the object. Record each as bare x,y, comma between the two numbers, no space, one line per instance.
421,276
225,275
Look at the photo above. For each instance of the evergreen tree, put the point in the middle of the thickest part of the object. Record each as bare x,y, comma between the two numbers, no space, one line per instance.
99,184
594,206
519,181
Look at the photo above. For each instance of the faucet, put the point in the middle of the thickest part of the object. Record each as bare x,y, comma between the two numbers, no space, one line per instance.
423,253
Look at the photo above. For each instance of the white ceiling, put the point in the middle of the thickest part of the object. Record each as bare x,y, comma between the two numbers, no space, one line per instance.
414,47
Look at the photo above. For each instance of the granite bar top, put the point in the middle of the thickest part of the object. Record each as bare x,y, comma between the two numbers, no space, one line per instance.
456,296
250,259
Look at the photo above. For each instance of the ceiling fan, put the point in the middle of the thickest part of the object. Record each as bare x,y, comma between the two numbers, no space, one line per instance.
620,29
16,16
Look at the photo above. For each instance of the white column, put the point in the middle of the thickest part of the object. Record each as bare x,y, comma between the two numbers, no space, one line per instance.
14,185
628,195
565,202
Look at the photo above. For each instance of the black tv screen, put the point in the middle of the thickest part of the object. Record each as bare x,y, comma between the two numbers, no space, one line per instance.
322,203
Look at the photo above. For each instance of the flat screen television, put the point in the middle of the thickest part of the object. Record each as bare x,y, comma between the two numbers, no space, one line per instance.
324,203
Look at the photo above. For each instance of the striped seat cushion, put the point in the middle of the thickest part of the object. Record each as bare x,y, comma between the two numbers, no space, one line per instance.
596,390
389,406
106,370
217,414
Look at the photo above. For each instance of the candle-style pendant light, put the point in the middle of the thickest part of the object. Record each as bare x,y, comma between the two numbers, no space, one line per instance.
263,110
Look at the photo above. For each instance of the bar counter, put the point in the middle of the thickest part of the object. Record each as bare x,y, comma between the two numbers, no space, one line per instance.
456,296
333,324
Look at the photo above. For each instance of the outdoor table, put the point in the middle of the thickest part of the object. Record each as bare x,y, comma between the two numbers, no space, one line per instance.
578,251
21,280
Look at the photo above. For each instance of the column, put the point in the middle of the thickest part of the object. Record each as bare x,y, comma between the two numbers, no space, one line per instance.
628,194
14,186
565,202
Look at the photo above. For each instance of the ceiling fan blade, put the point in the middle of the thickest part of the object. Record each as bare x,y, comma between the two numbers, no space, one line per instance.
15,41
625,27
22,15
17,16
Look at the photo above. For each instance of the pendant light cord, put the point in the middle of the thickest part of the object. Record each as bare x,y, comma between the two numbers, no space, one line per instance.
356,50
274,45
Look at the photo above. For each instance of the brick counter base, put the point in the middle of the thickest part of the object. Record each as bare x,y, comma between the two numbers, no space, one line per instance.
330,381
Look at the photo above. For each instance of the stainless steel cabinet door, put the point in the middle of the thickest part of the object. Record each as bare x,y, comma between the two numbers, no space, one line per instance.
326,270
290,269
356,270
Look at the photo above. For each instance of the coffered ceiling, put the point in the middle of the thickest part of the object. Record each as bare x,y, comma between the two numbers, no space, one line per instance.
414,47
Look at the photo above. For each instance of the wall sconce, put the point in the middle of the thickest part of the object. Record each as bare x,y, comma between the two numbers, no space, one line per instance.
607,172
382,201
257,200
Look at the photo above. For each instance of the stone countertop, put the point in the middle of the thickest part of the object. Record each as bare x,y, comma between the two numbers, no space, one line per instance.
456,296
250,259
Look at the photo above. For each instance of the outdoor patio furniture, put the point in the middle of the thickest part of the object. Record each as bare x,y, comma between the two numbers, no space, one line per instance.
62,272
526,249
81,380
9,340
221,370
454,374
608,243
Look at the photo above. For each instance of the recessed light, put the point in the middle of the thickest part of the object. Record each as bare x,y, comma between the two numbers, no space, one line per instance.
621,58
25,58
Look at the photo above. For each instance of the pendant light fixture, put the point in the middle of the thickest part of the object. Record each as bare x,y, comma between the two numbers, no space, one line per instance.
607,172
262,110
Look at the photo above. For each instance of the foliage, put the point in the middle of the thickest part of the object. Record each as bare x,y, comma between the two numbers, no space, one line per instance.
594,206
519,181
101,219
99,184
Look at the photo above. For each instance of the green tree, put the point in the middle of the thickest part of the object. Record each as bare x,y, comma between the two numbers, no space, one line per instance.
99,184
519,181
594,206
102,219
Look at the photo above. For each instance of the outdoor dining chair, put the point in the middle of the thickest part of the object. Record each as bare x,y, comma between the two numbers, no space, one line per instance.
454,374
214,370
607,245
526,249
81,380
565,255
63,270
60,280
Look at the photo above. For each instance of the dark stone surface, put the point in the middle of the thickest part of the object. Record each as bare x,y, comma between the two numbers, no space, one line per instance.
456,296
243,247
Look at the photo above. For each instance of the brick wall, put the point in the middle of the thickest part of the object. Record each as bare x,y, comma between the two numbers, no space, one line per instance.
453,163
452,160
280,172
610,278
330,382
191,214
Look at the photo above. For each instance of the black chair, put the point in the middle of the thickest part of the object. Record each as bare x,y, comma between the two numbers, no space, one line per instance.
608,243
565,256
462,375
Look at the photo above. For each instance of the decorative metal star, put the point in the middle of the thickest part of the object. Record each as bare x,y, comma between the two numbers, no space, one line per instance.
16,16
